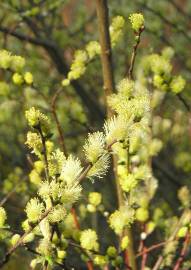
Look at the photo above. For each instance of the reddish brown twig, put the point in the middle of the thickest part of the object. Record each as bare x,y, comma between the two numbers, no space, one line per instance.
135,47
183,252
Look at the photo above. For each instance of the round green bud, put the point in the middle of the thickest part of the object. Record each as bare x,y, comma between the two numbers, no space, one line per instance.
39,166
182,232
142,214
17,78
14,239
100,260
28,77
91,208
119,260
150,227
6,58
66,82
17,63
61,254
177,84
55,238
84,258
94,198
112,251
124,242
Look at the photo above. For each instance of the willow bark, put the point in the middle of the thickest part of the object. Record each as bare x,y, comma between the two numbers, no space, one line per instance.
109,88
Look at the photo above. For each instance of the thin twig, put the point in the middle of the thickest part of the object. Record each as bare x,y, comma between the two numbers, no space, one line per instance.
43,139
171,238
135,47
20,241
59,128
183,252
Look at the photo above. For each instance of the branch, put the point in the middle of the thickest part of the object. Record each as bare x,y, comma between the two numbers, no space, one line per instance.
59,128
171,238
183,252
20,241
43,139
135,47
106,53
109,87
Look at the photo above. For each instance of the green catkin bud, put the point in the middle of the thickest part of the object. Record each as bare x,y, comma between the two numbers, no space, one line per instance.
35,117
14,239
112,251
5,59
150,226
121,218
39,166
25,225
34,177
88,240
65,82
17,79
94,198
34,210
61,254
28,77
142,214
100,260
93,49
3,217
182,232
137,21
34,142
124,242
177,84
91,208
17,63
94,146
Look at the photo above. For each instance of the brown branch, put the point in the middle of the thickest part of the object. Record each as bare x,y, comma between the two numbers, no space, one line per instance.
59,128
106,53
43,139
109,88
135,47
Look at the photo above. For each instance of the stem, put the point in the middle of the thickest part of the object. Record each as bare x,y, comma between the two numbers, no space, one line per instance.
20,241
109,86
58,125
171,238
135,47
106,53
43,139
